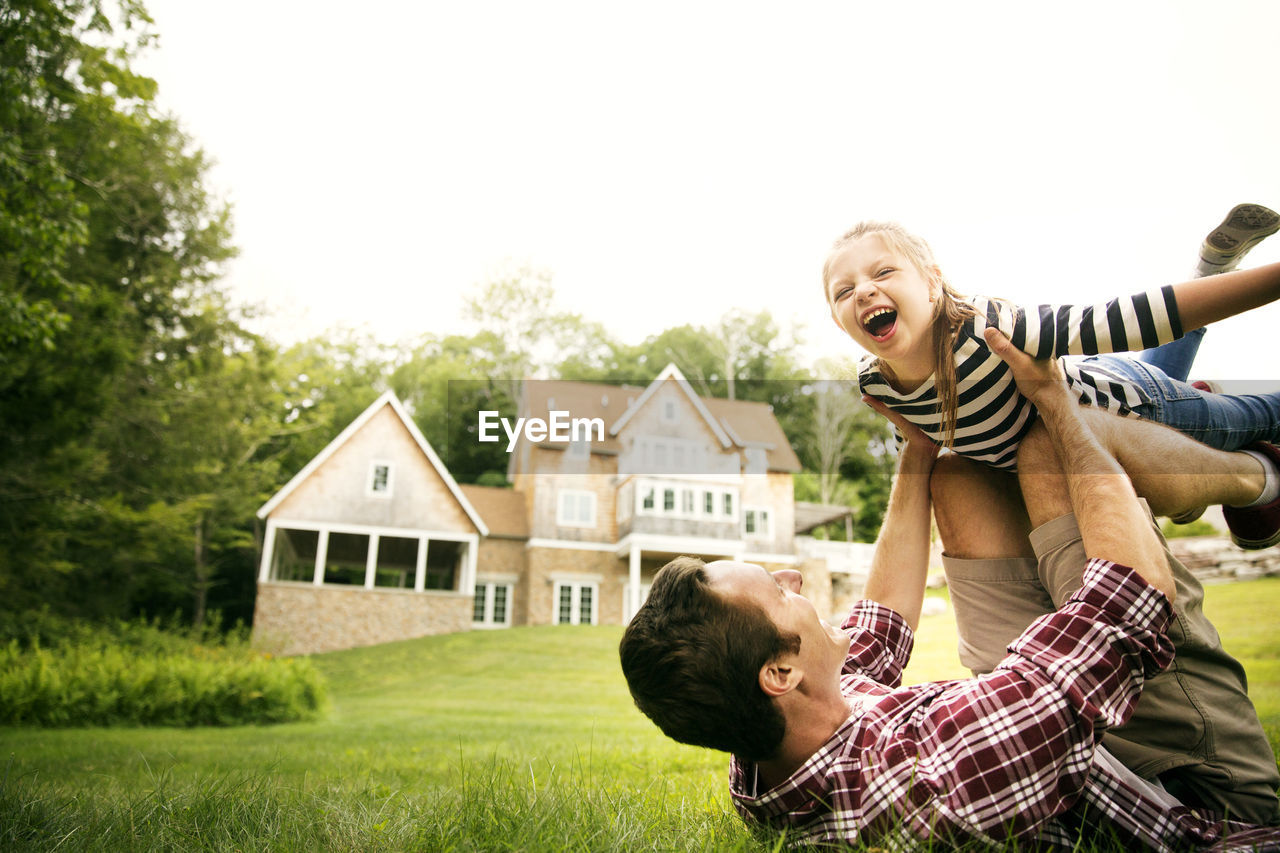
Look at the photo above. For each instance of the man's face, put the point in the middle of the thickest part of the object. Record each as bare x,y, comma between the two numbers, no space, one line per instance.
823,647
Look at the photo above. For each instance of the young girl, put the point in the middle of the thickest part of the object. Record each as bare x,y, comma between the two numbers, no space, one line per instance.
928,361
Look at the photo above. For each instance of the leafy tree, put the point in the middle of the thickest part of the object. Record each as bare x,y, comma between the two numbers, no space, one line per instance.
110,247
445,382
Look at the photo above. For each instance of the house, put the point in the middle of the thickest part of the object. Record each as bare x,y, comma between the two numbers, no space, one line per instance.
374,541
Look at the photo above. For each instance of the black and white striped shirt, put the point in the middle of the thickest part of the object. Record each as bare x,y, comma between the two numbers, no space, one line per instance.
991,415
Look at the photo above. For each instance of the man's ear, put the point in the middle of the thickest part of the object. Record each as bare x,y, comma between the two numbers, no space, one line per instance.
778,677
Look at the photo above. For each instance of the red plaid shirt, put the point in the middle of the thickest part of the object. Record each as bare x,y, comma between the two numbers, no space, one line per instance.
1008,754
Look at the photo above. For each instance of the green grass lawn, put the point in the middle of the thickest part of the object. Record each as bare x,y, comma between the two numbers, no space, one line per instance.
510,740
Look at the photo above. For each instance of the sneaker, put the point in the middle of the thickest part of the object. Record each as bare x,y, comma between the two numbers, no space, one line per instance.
1245,226
1258,527
1206,385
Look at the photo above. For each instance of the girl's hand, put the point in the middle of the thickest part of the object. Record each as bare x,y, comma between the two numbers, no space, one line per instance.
917,443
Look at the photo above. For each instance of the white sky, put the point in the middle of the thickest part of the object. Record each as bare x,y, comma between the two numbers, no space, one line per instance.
671,161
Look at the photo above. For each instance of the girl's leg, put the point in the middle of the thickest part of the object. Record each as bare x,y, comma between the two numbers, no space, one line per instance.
1245,226
1175,359
1222,421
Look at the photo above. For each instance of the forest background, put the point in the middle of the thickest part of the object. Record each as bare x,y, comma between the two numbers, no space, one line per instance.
142,423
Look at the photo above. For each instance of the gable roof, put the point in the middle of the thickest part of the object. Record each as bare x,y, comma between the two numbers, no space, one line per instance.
743,423
388,398
671,372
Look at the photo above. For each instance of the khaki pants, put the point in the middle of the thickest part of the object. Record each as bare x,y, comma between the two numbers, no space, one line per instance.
1194,728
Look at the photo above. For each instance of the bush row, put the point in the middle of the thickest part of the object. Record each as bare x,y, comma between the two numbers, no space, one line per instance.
138,674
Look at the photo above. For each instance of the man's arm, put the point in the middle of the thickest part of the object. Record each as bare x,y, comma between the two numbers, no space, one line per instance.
1206,300
901,562
1113,524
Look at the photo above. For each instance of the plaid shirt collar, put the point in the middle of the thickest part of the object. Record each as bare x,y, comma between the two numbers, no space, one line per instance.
803,789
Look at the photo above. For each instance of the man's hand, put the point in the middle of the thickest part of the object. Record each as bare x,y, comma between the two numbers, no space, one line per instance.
919,451
1113,525
1041,382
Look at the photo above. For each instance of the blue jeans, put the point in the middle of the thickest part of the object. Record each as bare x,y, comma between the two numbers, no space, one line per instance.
1175,358
1223,421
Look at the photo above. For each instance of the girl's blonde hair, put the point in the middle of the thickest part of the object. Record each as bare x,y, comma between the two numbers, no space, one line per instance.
949,310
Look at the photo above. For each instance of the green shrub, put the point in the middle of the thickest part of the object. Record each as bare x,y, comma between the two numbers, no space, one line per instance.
56,672
1199,527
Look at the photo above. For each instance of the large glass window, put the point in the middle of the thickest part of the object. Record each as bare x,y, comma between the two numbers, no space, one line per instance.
490,606
575,603
576,509
755,521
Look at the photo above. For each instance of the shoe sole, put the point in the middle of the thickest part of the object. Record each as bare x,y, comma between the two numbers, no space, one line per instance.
1245,226
1257,544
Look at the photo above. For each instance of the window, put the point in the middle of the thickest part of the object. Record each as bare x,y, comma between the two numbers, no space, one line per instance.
294,556
397,562
380,479
444,563
346,559
576,509
755,521
669,411
490,607
679,500
575,603
666,455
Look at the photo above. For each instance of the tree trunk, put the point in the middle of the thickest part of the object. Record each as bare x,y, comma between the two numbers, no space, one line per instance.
202,575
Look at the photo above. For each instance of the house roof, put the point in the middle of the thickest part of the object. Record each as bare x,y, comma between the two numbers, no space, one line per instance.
504,510
388,398
811,515
672,373
735,423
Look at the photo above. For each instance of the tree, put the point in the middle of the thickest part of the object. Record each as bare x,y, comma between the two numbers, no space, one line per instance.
110,248
829,430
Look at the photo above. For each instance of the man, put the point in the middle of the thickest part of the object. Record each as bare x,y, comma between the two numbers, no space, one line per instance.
1194,730
828,746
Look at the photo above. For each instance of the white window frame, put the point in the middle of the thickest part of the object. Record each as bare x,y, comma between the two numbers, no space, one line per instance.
682,506
372,479
563,516
758,514
670,412
488,587
575,605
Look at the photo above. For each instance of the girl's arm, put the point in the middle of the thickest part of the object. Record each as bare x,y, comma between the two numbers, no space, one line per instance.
1202,301
1124,324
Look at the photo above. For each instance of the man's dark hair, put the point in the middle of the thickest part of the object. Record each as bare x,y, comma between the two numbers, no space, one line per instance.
692,660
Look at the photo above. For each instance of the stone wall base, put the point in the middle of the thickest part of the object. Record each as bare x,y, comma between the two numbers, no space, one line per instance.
301,618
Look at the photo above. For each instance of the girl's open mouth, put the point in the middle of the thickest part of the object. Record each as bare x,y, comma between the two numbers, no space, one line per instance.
880,323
